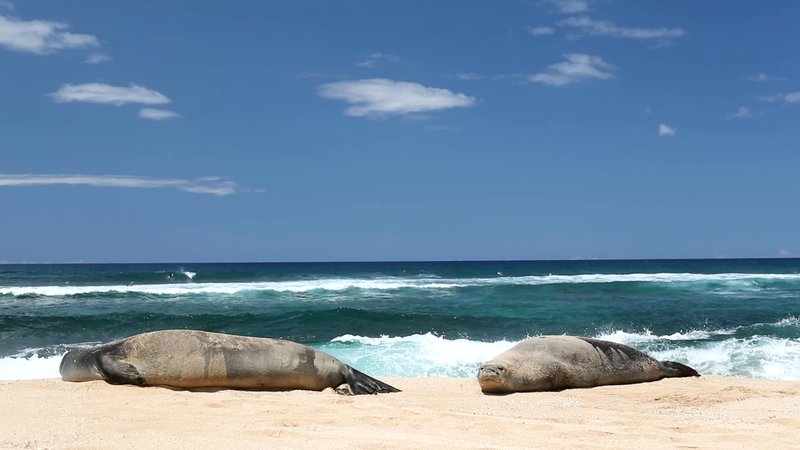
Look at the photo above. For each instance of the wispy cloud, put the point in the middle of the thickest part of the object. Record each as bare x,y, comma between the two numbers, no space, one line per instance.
206,185
541,31
666,130
4,4
312,75
41,37
382,97
742,113
377,57
107,94
469,76
763,78
590,27
157,114
569,6
97,58
783,253
792,97
578,67
439,128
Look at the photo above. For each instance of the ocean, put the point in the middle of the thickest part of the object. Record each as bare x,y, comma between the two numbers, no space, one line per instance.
737,317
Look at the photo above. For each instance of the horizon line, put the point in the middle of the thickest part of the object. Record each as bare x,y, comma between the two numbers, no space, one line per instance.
32,263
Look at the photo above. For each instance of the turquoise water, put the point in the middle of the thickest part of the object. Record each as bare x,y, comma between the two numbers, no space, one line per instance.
727,317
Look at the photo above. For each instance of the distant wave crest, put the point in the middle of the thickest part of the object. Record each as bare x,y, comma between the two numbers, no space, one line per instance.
730,280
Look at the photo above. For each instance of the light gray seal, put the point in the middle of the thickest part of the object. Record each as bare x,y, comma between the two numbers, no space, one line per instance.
553,363
197,359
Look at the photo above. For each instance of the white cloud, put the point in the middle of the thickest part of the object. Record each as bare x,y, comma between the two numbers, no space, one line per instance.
207,185
541,31
381,97
157,114
666,130
593,27
6,5
570,6
792,97
104,93
312,75
376,57
469,76
578,67
763,78
40,36
742,113
783,253
438,128
97,58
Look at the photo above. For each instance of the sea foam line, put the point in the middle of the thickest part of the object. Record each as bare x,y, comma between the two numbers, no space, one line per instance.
747,280
31,368
713,352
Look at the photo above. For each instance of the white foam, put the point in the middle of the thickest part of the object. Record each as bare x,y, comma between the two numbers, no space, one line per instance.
694,335
31,368
624,337
429,355
218,288
759,357
713,352
790,321
416,355
742,280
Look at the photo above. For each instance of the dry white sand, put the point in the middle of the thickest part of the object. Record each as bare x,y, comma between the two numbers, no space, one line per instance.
430,413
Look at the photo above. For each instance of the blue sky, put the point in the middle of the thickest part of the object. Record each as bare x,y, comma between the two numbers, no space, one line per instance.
325,131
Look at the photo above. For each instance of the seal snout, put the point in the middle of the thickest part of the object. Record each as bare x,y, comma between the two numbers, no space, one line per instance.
79,365
491,371
491,378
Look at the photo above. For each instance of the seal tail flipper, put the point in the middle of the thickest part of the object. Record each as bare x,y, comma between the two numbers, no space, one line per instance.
676,369
361,383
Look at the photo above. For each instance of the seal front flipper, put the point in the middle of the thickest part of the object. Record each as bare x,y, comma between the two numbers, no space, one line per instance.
117,371
361,383
676,369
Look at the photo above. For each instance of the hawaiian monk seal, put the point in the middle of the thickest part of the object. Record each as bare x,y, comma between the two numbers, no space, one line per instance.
198,359
552,363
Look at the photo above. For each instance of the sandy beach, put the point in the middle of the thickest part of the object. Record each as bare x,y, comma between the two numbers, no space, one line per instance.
706,412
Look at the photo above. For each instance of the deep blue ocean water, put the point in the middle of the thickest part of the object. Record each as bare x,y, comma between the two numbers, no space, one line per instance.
725,316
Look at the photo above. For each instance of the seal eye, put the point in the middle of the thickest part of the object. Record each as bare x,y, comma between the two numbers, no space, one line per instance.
500,370
492,370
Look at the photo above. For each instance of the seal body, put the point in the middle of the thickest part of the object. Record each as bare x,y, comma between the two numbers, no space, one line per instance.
198,359
552,363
